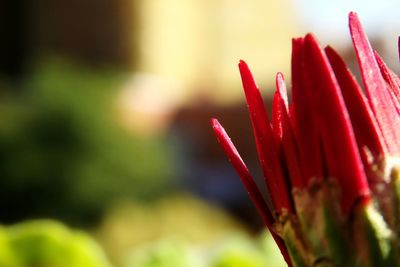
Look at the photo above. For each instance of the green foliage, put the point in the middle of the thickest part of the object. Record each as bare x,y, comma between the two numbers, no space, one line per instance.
236,251
182,230
130,225
48,244
239,252
165,253
7,255
63,151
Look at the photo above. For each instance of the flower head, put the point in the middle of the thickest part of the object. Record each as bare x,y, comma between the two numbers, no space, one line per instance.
330,157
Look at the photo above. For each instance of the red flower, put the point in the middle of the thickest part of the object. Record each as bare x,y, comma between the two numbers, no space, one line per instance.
330,130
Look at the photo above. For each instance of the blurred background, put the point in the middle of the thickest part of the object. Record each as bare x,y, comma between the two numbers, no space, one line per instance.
104,124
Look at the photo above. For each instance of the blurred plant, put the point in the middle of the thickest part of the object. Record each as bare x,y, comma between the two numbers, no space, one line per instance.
331,159
241,251
48,244
63,151
237,250
130,225
164,253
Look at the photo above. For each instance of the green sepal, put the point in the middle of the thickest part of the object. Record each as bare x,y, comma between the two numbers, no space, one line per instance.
294,243
323,224
395,185
372,238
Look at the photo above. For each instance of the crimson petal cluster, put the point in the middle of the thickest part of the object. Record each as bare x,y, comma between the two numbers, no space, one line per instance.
330,131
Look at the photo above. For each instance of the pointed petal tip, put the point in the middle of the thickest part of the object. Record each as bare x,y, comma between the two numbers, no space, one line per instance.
353,18
330,49
353,14
214,122
281,88
216,126
297,39
242,65
280,76
311,39
244,69
354,21
279,80
221,134
249,84
309,36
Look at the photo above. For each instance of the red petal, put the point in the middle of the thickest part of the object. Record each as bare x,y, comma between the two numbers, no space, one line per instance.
281,89
277,126
365,128
397,80
378,96
302,115
343,160
248,181
277,109
265,142
290,149
243,172
391,80
277,120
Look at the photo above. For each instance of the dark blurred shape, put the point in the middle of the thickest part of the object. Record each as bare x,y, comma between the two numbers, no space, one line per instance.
94,32
15,42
